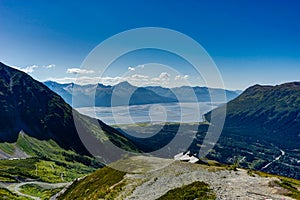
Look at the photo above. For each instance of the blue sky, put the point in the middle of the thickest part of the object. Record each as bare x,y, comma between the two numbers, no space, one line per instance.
250,41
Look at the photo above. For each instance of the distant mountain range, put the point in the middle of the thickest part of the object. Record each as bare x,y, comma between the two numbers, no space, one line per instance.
30,107
127,94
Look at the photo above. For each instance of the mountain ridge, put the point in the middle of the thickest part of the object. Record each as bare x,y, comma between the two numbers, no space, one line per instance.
266,104
262,127
30,106
101,95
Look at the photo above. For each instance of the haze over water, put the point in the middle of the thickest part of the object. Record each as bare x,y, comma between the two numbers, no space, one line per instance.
167,112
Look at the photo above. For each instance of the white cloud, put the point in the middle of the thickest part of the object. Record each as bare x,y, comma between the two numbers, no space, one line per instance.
164,76
139,76
136,67
28,69
163,79
31,68
81,80
178,77
79,71
84,80
111,80
49,66
131,68
135,79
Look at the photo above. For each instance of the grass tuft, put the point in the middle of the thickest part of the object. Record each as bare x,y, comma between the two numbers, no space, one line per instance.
103,184
196,190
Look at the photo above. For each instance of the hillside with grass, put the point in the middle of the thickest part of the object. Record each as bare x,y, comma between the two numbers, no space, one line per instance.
267,112
155,178
45,161
262,130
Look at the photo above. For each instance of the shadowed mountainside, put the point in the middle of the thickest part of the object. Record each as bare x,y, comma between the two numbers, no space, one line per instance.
269,112
29,106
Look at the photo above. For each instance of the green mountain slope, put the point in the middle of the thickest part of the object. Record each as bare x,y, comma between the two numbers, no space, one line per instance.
29,106
95,186
261,130
268,112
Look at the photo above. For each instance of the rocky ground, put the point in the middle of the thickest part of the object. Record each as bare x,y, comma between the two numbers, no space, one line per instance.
153,179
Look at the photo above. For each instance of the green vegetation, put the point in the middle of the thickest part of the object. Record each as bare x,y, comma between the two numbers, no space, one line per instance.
38,191
42,170
292,185
6,194
55,172
7,148
254,153
262,111
190,192
14,170
259,123
104,183
49,163
44,115
43,128
235,164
